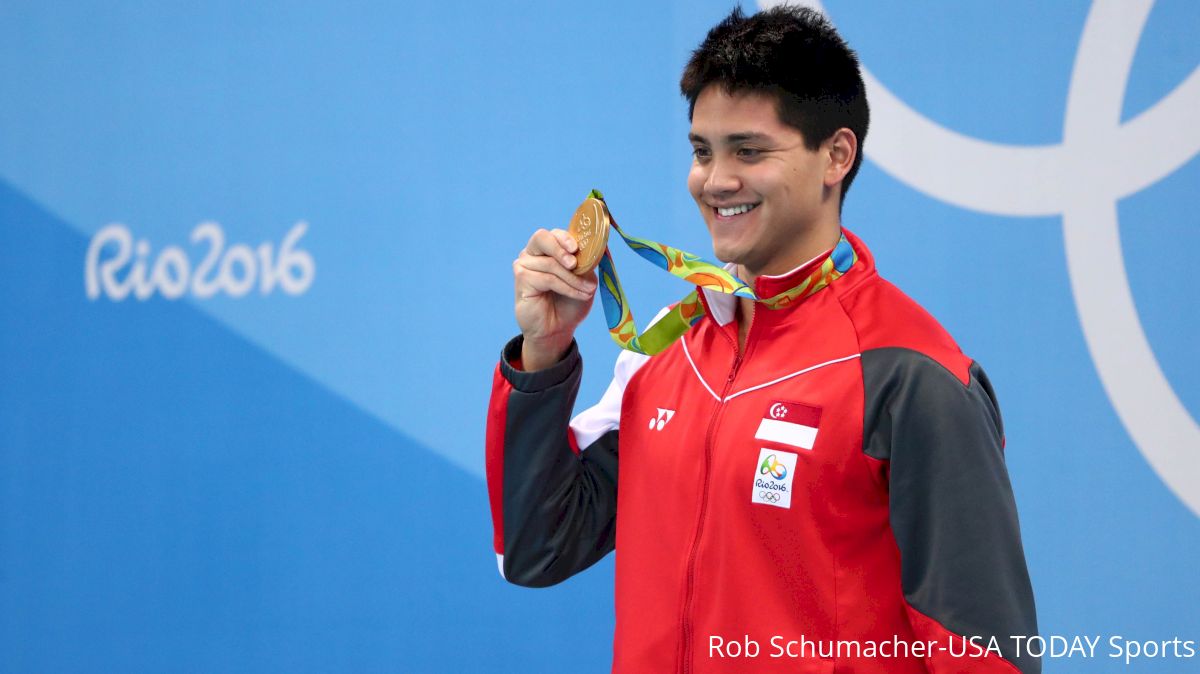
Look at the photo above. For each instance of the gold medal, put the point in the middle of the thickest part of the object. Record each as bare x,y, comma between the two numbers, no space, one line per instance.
589,228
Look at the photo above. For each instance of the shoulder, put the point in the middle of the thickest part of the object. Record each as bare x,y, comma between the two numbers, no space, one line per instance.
890,322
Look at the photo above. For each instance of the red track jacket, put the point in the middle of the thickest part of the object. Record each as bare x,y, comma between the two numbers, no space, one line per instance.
832,499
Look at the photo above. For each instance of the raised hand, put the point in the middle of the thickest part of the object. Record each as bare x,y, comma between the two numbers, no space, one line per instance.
551,300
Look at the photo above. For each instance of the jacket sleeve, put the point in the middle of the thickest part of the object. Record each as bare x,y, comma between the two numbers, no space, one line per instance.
952,509
553,505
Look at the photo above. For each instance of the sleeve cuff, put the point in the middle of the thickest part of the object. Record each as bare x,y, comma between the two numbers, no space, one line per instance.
534,382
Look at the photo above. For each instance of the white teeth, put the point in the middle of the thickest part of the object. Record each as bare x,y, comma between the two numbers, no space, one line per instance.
735,210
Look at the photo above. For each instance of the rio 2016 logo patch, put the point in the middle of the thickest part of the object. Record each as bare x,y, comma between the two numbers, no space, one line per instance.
773,478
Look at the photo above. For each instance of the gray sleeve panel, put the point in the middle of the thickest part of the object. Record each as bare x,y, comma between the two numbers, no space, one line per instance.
560,508
951,503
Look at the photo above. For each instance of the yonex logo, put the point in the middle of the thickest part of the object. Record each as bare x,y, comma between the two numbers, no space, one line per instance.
657,422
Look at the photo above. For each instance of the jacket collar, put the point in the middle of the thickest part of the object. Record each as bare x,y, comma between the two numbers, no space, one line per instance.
723,307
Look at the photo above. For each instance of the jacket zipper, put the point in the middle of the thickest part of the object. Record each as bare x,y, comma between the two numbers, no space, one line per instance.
689,587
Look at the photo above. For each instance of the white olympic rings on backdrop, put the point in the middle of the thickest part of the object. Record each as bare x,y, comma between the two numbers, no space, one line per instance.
1106,160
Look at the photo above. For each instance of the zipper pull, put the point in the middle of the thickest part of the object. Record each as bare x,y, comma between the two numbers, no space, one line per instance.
733,371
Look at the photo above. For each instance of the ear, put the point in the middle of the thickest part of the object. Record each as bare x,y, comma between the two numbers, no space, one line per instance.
841,148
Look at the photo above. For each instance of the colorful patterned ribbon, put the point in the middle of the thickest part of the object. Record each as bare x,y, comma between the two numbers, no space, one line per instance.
685,313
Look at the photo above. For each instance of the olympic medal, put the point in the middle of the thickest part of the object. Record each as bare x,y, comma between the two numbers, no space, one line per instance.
589,228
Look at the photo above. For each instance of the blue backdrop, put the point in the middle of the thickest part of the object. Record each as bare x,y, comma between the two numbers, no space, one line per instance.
255,274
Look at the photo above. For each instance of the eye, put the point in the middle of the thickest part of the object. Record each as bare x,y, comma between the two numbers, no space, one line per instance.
750,153
701,153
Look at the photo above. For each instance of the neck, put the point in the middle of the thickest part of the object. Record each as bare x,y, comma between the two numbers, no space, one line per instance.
813,247
816,247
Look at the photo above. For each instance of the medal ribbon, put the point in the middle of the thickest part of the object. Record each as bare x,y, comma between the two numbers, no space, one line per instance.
698,272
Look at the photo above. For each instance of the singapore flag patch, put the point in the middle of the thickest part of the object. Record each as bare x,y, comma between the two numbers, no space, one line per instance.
790,423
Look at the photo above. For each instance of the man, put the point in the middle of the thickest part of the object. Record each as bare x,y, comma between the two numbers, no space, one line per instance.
810,482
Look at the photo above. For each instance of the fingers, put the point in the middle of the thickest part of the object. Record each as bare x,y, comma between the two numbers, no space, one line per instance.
566,240
545,265
537,284
555,243
539,274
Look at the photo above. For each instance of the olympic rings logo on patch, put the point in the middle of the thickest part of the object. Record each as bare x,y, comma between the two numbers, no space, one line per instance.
769,496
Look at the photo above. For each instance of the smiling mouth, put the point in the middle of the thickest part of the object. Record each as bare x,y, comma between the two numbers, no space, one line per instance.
732,211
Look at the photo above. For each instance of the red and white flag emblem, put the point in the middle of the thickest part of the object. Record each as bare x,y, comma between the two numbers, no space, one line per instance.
789,423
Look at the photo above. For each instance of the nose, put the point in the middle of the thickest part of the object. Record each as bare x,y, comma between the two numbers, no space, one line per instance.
722,178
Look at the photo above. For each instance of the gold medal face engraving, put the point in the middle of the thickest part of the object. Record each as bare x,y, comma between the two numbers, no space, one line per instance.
589,228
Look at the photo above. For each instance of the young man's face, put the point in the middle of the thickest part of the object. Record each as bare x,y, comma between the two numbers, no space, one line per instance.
761,191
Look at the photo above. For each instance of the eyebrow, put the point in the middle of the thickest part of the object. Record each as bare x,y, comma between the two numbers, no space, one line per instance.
740,137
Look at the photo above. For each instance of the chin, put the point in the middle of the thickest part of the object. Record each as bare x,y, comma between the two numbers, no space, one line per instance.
724,255
727,252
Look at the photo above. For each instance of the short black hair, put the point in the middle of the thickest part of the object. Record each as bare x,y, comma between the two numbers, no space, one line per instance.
795,55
